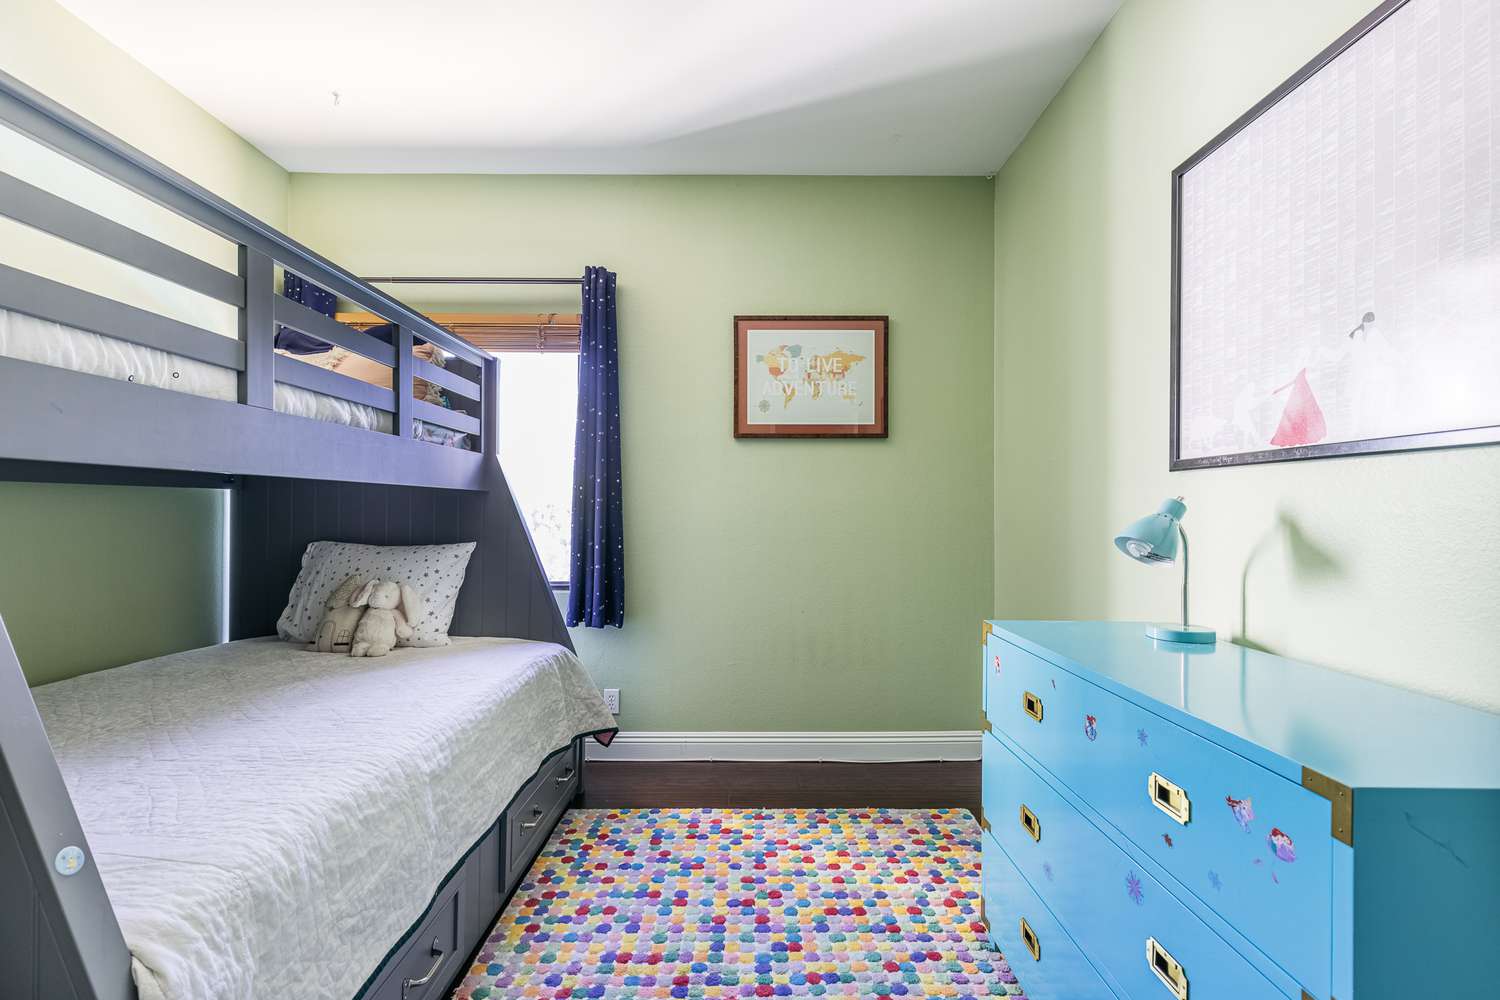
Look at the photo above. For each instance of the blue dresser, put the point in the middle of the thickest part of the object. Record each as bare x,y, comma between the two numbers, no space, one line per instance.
1216,823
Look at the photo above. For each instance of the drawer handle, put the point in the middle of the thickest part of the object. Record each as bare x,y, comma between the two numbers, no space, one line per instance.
564,778
1031,824
536,819
1028,938
1032,705
1167,969
437,959
1169,798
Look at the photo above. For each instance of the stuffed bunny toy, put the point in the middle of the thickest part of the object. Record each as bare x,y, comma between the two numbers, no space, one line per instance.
336,630
389,609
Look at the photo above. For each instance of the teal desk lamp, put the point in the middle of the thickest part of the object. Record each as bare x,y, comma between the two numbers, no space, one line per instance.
1153,539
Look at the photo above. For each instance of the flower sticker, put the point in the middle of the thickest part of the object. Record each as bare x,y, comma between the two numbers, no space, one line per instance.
997,663
1243,811
1215,881
1134,890
1168,838
1047,870
1141,737
1091,727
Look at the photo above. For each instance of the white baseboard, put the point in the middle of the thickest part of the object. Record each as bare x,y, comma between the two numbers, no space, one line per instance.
863,747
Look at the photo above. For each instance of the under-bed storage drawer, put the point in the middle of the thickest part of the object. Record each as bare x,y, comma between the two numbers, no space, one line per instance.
1247,842
432,957
536,809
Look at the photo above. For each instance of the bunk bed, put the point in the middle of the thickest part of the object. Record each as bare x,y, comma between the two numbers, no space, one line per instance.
308,454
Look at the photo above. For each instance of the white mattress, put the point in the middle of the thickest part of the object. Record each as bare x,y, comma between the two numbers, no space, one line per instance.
268,821
27,338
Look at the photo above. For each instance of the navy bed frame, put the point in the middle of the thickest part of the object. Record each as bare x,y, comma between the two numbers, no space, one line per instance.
293,480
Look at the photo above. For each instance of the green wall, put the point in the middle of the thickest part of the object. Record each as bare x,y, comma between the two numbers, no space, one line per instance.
1387,566
771,585
96,577
102,575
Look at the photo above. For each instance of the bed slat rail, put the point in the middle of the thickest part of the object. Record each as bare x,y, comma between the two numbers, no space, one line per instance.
43,210
315,324
314,379
452,381
444,417
251,291
52,300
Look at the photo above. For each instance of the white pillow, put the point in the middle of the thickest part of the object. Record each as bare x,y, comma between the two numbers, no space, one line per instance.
435,571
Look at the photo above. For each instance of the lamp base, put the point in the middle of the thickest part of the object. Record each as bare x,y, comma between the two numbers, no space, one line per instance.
1182,633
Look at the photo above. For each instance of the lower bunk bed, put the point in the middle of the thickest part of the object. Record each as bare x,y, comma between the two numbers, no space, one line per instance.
256,821
274,822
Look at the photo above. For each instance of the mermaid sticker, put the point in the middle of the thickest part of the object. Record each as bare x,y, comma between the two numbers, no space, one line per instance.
997,664
1242,810
1091,727
1280,846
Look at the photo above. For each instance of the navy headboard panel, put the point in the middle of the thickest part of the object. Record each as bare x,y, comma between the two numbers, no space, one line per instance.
505,592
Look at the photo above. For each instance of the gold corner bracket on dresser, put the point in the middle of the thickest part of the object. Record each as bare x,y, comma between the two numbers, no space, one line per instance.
1340,797
985,631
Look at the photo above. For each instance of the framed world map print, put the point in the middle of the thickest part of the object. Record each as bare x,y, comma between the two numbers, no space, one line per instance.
1336,252
810,376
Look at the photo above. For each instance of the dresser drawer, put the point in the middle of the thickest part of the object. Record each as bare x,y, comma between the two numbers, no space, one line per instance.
1255,847
1046,962
1104,899
536,808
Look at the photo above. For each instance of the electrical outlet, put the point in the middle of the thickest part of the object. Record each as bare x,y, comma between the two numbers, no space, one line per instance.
612,700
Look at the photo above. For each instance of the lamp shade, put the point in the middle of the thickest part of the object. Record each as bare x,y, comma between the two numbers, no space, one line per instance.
1153,538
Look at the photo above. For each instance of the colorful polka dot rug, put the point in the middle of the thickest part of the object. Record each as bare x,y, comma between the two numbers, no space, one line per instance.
633,904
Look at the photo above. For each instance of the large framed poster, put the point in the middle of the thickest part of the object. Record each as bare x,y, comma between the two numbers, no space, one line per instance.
811,376
1336,252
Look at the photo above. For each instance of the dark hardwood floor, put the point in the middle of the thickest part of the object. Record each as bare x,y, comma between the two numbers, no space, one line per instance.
793,784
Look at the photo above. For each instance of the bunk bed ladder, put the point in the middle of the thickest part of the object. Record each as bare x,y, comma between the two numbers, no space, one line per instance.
62,939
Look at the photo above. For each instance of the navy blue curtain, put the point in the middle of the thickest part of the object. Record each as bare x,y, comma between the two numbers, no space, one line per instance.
596,586
313,297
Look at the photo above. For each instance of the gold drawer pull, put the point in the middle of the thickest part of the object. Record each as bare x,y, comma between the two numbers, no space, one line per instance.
1031,824
1167,969
1028,938
1032,705
1169,798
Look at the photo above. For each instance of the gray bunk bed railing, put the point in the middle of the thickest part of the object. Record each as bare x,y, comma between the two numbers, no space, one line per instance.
106,423
292,480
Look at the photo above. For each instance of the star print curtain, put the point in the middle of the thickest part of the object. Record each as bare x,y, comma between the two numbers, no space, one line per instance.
596,586
313,297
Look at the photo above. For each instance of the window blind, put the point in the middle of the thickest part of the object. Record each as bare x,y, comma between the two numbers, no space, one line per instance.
544,332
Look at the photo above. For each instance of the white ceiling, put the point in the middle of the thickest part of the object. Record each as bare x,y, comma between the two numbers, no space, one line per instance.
616,86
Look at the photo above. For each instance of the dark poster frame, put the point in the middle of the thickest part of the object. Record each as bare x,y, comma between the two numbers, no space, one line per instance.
1407,442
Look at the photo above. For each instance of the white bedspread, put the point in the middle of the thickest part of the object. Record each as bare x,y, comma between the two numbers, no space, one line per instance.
268,821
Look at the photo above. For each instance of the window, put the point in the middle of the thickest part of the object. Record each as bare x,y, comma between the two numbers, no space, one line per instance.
538,413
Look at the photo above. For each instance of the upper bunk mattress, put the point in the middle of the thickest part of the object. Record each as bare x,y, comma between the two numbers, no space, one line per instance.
269,821
40,341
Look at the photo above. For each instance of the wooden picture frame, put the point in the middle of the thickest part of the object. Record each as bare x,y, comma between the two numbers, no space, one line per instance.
811,376
1305,322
